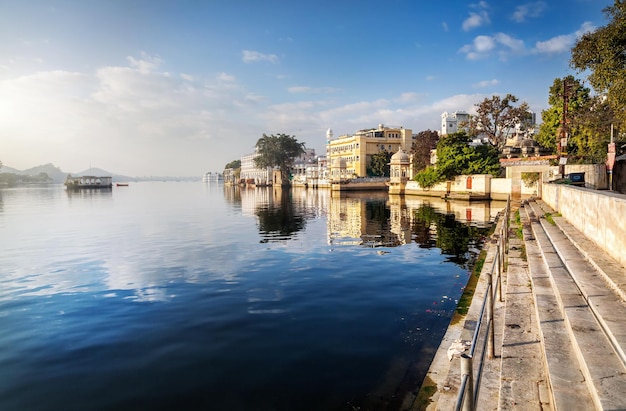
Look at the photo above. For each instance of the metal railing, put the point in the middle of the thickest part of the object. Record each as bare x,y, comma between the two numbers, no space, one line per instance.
470,387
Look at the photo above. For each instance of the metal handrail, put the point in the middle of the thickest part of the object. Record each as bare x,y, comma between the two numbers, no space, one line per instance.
468,392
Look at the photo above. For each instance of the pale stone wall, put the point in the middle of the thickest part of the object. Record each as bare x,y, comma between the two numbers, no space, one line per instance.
438,190
501,188
599,215
595,174
480,184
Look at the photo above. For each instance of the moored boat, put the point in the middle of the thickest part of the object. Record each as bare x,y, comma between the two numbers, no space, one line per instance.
88,182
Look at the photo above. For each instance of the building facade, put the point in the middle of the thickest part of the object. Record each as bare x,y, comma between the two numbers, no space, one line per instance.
354,152
253,175
454,122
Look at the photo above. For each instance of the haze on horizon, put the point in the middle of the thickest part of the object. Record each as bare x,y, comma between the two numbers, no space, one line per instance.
169,88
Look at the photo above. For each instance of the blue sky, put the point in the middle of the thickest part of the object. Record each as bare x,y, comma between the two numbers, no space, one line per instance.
183,87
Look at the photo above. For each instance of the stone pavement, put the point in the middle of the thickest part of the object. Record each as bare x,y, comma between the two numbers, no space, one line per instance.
560,333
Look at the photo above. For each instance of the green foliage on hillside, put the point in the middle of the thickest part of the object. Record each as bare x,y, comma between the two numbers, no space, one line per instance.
12,180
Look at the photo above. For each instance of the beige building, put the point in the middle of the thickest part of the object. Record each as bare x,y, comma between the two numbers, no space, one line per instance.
356,150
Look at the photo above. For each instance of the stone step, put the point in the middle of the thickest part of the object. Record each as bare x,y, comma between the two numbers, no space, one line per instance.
566,379
523,377
614,274
593,314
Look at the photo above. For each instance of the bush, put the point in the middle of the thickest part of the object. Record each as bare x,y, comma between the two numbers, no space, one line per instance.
428,177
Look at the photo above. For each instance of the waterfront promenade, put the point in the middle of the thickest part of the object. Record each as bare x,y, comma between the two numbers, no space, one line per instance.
560,329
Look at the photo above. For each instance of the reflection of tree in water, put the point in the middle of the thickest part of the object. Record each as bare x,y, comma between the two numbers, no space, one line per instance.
280,221
454,238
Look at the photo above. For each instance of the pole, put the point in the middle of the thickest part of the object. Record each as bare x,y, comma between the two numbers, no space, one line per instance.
610,160
562,138
466,370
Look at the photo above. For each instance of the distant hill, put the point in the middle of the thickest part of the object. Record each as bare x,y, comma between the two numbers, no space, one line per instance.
54,173
58,176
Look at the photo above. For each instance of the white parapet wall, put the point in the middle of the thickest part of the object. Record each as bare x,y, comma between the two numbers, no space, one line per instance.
599,215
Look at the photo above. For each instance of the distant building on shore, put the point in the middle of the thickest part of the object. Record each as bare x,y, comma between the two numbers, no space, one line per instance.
253,175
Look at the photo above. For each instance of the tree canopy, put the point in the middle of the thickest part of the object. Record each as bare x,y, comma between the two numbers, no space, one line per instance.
278,151
425,142
603,53
233,164
588,121
379,165
456,157
496,117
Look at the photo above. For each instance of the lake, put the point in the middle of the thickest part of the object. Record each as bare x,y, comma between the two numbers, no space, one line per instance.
165,295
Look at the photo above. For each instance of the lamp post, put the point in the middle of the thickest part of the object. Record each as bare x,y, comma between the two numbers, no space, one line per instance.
564,132
610,159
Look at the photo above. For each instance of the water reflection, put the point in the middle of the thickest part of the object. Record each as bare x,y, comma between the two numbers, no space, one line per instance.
378,220
278,218
371,219
104,192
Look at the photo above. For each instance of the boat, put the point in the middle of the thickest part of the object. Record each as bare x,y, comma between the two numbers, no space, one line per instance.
121,184
88,182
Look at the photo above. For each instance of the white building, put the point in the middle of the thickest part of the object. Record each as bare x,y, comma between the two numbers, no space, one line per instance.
454,122
250,172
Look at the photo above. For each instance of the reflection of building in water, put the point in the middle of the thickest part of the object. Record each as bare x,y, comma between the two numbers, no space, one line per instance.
400,219
253,197
346,220
351,218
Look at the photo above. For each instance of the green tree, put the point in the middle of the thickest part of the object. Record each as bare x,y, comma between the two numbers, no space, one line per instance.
497,117
278,151
233,164
588,121
456,157
425,142
603,54
379,165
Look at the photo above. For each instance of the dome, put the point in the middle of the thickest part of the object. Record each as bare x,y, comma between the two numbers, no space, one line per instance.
400,157
329,134
528,142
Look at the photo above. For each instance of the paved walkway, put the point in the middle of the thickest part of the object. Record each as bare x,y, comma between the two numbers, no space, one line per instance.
560,333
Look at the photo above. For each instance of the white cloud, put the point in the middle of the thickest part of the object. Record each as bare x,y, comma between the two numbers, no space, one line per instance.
249,56
146,63
486,83
510,42
483,46
226,77
132,119
408,97
562,43
528,10
306,89
444,25
476,20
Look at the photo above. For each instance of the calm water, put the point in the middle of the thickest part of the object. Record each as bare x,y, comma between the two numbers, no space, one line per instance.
196,296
